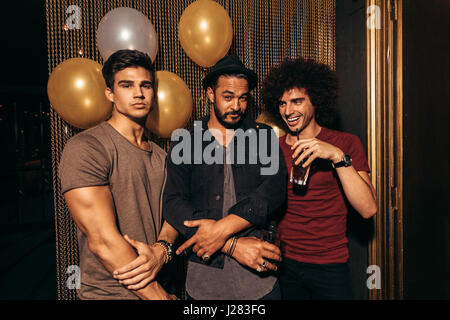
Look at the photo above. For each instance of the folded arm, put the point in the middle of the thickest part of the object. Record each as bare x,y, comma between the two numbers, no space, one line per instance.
92,209
141,271
253,253
253,210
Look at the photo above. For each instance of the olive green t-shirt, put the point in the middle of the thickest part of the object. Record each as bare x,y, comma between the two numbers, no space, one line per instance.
101,156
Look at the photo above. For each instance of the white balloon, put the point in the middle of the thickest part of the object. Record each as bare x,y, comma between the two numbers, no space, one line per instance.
126,28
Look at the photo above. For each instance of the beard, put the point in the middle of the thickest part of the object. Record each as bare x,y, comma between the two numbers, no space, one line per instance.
229,125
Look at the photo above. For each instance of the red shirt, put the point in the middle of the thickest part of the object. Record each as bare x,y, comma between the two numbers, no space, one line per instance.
313,229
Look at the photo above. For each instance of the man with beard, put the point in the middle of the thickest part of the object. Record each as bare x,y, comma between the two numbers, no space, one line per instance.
303,93
221,208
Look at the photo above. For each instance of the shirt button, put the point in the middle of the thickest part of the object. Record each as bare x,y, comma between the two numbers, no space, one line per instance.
218,197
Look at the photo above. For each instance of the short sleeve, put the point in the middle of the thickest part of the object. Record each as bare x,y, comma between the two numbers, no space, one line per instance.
356,150
84,163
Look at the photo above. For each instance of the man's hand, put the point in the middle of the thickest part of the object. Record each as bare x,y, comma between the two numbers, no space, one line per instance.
209,238
253,252
357,185
141,271
312,149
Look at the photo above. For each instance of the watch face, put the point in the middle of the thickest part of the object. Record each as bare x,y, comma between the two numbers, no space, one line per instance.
347,160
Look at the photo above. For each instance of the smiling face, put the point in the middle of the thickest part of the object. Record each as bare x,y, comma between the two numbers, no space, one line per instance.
296,109
133,93
229,99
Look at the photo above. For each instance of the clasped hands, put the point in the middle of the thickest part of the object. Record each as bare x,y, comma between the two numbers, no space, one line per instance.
209,238
249,251
142,271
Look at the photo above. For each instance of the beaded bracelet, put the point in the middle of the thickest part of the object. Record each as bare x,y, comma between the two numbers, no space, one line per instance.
166,256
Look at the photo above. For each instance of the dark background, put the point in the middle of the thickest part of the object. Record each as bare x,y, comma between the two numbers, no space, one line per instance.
27,236
351,117
27,239
426,112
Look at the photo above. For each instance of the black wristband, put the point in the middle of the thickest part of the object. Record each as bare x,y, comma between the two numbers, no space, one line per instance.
345,162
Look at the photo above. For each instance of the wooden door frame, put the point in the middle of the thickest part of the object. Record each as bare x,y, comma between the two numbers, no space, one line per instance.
384,132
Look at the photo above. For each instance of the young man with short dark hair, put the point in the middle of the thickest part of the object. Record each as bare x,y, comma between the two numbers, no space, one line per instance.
112,178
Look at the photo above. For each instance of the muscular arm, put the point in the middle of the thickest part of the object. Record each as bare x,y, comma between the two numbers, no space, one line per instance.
92,209
143,270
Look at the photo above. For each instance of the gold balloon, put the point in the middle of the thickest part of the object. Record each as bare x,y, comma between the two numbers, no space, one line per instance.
205,32
173,104
76,90
268,119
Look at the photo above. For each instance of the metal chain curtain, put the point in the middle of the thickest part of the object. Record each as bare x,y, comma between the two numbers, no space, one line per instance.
264,32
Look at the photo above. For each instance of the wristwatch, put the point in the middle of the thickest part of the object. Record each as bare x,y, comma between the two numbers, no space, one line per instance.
345,162
168,248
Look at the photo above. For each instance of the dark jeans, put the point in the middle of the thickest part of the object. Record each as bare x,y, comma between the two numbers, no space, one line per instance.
275,294
305,281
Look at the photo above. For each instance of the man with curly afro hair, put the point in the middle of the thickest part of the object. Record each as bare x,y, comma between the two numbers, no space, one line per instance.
312,232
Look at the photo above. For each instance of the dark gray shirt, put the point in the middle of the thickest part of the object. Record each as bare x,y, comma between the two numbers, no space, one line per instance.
234,281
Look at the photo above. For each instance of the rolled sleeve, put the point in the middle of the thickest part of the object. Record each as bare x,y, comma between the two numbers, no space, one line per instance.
84,163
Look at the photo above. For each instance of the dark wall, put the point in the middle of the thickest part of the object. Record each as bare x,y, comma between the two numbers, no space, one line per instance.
27,232
351,70
426,88
24,48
